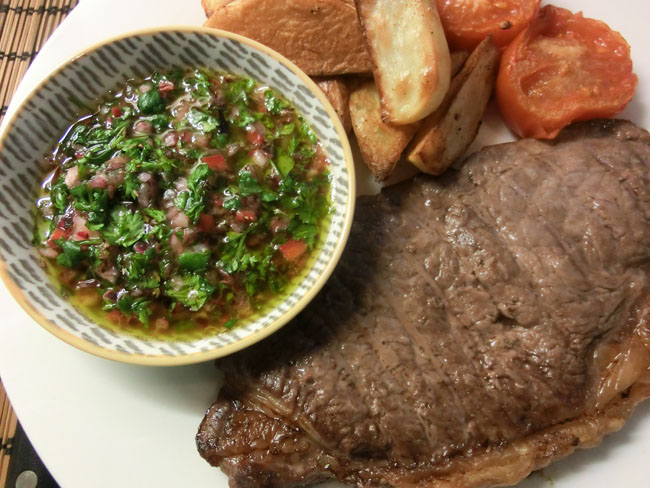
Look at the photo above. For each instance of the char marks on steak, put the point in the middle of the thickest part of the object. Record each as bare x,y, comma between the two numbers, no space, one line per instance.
478,326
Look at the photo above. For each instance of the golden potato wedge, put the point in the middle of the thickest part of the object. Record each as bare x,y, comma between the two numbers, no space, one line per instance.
445,135
323,37
381,144
210,6
337,92
411,63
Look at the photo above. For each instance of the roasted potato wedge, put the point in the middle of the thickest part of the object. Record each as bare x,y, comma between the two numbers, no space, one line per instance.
381,144
411,63
323,37
337,92
210,6
445,135
458,59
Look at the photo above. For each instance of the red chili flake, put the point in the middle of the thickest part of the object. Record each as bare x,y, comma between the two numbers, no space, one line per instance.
116,112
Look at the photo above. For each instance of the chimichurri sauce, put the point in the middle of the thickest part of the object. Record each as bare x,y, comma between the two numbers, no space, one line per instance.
186,200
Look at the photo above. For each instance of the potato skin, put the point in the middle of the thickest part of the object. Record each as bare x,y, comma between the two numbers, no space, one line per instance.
410,57
381,143
447,133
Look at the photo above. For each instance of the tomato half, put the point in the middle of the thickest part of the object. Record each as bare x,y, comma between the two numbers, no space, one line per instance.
468,22
562,69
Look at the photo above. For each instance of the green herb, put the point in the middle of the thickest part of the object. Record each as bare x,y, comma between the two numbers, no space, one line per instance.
287,129
129,305
193,291
160,122
72,254
150,102
93,201
59,195
306,233
248,184
245,118
233,203
237,91
306,131
230,323
194,261
272,103
190,201
125,227
285,163
201,121
157,215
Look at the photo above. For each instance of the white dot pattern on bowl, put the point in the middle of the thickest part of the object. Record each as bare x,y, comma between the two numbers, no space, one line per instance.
45,116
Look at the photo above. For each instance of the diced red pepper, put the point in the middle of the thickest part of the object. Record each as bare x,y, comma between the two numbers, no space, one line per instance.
245,215
116,112
206,222
82,234
55,236
293,249
255,138
216,162
165,86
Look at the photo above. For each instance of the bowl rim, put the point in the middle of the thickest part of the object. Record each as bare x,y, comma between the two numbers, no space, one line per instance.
250,339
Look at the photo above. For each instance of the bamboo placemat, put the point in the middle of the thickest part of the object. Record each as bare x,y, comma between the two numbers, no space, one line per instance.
25,25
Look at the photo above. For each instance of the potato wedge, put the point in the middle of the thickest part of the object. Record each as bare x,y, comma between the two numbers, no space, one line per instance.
411,63
458,59
381,144
445,135
337,92
210,6
323,37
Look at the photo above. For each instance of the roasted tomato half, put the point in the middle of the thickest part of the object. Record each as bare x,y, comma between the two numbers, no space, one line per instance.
468,22
563,68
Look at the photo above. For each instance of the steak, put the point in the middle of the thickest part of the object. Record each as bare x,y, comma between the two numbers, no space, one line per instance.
478,326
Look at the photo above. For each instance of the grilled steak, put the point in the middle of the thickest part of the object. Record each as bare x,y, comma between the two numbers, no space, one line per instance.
478,327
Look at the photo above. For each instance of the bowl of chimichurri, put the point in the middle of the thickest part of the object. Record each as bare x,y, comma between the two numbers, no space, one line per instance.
172,196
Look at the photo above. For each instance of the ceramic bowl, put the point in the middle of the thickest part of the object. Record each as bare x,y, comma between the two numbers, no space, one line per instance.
50,109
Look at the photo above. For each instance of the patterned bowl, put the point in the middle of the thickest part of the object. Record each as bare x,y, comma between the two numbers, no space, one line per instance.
49,109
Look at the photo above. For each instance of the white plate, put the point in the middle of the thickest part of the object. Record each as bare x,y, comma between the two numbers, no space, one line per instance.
101,424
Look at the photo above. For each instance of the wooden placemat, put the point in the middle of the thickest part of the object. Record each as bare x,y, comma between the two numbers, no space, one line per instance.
25,25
